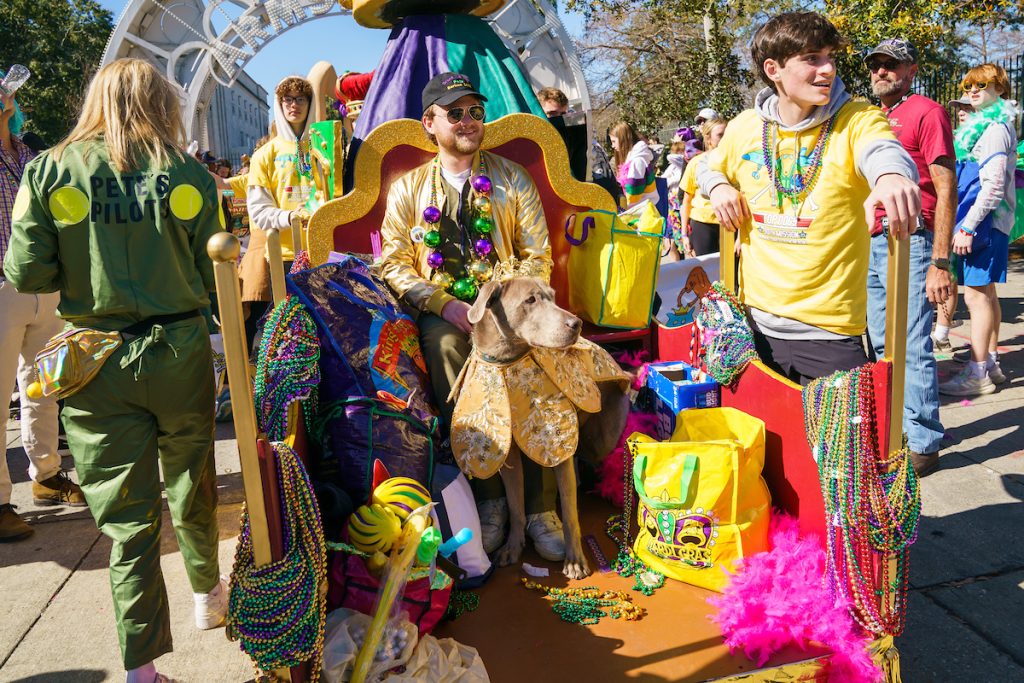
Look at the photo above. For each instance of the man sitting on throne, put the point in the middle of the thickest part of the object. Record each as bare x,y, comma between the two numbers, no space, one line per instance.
448,224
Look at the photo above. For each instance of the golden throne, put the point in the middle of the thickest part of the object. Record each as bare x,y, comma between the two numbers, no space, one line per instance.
349,223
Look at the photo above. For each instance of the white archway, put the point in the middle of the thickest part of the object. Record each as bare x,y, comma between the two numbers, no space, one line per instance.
199,43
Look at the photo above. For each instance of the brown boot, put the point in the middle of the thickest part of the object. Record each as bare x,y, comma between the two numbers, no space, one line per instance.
924,463
58,490
12,527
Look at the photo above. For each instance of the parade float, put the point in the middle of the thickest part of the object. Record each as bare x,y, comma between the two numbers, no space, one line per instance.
812,515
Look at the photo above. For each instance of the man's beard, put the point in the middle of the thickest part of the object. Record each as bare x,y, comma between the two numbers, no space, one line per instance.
886,88
466,145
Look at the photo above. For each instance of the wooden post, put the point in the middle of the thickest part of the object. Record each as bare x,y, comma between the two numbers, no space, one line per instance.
297,225
224,249
896,296
276,261
727,258
897,292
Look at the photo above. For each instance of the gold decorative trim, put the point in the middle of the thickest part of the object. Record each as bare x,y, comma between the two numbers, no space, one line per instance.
367,186
368,12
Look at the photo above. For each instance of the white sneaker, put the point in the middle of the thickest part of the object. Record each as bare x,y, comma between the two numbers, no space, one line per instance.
964,384
995,373
545,529
493,520
212,607
941,345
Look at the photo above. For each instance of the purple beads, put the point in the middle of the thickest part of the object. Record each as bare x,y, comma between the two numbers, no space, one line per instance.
481,184
482,246
431,214
435,259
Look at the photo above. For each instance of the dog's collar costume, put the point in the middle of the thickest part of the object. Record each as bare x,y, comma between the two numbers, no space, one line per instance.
532,399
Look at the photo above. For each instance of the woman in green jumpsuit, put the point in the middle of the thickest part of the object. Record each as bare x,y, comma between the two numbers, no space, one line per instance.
116,218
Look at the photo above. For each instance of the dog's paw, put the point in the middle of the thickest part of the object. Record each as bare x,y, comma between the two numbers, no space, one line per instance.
510,552
575,569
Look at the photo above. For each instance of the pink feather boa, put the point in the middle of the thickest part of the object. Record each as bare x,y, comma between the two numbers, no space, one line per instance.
778,598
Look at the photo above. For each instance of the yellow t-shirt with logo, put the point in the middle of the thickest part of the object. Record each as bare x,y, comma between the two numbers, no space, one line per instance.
700,207
274,166
806,261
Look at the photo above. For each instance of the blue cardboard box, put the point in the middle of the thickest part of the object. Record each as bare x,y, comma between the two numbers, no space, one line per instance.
673,388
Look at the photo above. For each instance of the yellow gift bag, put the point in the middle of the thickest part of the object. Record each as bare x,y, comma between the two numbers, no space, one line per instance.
702,501
613,270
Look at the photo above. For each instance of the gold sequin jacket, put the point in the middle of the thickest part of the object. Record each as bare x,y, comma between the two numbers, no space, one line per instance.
532,400
519,230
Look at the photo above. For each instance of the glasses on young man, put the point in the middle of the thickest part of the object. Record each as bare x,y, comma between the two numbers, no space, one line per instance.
968,87
456,114
301,101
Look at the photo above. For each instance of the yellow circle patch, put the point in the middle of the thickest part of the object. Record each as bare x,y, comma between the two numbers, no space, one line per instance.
220,215
186,202
21,203
69,205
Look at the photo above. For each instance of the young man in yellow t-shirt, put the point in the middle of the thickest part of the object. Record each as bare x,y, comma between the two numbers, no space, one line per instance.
800,176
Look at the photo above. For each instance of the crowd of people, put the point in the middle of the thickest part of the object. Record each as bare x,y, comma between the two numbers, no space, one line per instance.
108,231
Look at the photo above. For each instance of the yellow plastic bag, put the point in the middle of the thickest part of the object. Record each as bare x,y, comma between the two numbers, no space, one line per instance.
613,270
703,504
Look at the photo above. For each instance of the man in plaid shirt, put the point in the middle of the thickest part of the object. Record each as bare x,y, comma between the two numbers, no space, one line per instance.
29,320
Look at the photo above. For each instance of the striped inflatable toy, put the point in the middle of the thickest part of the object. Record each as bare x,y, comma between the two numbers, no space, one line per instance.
373,528
402,495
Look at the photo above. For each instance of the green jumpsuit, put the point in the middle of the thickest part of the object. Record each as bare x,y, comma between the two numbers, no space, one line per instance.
121,248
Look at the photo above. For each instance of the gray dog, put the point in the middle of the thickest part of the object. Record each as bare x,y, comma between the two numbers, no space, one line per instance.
523,340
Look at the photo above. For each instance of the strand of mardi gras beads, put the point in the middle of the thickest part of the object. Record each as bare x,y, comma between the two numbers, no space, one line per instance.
287,367
627,564
479,269
277,611
728,342
872,504
586,605
799,185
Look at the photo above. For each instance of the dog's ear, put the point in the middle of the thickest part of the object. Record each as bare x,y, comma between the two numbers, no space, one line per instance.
488,296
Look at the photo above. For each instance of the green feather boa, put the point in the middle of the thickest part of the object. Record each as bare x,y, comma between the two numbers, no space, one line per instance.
967,135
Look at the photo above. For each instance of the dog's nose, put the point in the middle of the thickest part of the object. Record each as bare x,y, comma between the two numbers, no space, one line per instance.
574,323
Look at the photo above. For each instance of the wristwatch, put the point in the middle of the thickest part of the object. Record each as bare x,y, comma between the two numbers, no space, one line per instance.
941,263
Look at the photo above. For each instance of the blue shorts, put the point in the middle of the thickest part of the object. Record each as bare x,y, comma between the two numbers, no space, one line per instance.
980,268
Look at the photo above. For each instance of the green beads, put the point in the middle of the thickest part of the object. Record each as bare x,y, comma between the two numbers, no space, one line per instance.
483,225
432,239
465,289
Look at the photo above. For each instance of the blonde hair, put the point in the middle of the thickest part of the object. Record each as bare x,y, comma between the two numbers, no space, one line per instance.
627,137
135,111
707,127
992,74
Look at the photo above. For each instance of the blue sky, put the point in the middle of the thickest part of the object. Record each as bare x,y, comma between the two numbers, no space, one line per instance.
337,39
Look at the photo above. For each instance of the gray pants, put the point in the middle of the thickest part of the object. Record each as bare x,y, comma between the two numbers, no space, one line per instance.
446,348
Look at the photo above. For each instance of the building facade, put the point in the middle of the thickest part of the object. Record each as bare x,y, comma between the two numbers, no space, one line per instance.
238,117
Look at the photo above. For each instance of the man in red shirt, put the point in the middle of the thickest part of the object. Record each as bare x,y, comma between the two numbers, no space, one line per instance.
922,127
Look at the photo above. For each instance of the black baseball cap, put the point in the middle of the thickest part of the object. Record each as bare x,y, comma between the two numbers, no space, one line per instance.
447,87
897,48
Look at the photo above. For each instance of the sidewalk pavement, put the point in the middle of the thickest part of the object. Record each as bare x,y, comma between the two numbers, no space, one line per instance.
967,568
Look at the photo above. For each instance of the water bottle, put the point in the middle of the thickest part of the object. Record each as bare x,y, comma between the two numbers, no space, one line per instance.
15,78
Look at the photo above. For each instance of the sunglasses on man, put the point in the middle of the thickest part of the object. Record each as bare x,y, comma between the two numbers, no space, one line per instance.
288,100
968,87
887,64
456,114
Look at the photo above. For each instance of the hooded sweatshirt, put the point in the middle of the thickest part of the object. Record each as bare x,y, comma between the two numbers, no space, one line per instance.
276,188
636,175
674,172
804,268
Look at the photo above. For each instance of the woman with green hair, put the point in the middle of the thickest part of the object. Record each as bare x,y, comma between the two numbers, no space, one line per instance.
986,150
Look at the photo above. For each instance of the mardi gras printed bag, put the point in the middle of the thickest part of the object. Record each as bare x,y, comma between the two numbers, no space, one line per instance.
702,501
